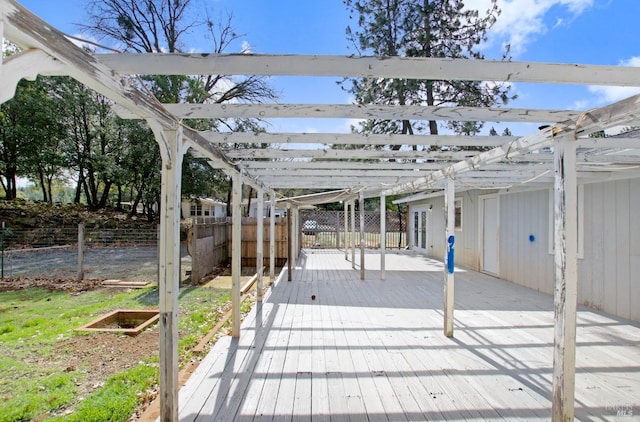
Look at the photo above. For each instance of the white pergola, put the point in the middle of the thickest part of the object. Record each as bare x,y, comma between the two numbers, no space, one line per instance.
562,153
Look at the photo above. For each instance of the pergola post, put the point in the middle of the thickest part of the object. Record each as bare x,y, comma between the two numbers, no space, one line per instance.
383,234
236,253
353,234
289,243
260,243
566,278
346,230
449,213
361,205
172,151
272,238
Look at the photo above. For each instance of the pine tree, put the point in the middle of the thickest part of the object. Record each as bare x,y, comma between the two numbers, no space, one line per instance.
423,28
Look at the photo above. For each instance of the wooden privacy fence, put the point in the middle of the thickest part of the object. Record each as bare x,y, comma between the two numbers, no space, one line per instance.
250,241
209,244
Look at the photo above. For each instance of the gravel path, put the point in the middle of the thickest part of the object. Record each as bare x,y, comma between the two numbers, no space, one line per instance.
124,263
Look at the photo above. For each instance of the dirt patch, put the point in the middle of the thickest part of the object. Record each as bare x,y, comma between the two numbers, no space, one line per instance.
54,284
97,356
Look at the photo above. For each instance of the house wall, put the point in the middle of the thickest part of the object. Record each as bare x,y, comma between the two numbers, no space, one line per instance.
609,264
466,245
609,274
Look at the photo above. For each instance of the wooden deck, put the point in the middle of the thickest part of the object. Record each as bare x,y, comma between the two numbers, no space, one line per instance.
374,350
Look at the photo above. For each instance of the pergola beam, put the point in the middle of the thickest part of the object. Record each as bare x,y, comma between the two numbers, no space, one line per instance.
347,154
381,67
354,139
622,113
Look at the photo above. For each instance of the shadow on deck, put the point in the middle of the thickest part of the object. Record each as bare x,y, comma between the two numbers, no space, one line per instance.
329,346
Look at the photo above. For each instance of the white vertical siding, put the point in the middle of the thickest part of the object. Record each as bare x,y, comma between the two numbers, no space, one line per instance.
524,240
609,271
466,246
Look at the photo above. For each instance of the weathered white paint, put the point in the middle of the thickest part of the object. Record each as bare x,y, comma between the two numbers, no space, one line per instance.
362,242
353,234
289,242
358,111
566,279
347,242
383,234
236,253
386,67
260,244
346,154
26,65
272,238
169,268
319,173
449,212
329,182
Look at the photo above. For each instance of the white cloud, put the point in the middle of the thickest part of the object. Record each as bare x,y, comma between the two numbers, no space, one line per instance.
522,20
610,94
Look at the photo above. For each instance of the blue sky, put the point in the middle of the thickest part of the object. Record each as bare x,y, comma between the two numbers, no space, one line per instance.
567,31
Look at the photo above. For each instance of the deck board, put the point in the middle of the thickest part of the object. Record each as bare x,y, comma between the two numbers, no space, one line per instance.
329,346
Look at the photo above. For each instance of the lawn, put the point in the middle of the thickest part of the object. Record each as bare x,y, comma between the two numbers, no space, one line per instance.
49,371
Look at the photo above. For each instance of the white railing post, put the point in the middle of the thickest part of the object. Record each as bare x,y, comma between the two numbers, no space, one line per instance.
566,278
383,234
272,239
449,211
361,204
172,150
236,253
353,234
260,243
346,230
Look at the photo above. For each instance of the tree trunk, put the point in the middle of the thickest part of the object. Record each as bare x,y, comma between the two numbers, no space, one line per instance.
102,203
249,202
49,187
76,200
229,197
11,189
43,186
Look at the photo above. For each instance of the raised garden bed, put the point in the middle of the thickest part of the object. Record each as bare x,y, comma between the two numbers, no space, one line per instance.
125,321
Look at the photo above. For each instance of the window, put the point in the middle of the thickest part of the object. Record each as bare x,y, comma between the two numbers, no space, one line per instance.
580,222
196,209
458,214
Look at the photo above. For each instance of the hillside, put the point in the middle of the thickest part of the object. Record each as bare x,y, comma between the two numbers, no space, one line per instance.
38,224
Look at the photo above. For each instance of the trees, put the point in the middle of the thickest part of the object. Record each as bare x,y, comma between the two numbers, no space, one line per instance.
30,137
424,28
152,26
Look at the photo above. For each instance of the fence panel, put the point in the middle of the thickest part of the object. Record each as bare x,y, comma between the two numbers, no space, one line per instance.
51,252
207,245
325,229
250,241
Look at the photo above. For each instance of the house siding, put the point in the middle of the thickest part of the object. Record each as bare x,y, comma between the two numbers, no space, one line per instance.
609,274
609,269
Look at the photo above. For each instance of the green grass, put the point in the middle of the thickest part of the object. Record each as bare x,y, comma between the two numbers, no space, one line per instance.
32,321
